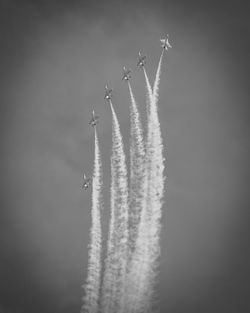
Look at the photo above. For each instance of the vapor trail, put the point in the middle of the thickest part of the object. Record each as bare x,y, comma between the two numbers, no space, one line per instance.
149,89
155,169
138,274
113,289
137,203
144,264
92,285
137,171
157,79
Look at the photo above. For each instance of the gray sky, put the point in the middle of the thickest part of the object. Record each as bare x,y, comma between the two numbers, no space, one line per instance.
56,57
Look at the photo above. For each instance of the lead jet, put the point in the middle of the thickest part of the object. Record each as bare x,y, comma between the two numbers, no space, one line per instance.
94,120
126,74
108,93
86,182
165,43
142,60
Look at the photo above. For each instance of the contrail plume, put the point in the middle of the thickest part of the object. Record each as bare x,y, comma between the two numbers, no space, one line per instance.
137,205
155,169
149,90
92,285
157,78
137,171
113,289
138,271
144,262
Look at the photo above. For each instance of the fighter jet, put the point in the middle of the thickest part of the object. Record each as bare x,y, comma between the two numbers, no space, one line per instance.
165,43
108,93
94,120
86,182
126,74
142,60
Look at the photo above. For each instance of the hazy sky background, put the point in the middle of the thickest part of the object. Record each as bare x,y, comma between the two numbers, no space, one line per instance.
55,59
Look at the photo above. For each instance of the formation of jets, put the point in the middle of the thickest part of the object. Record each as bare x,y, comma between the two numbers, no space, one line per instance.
109,94
86,182
165,43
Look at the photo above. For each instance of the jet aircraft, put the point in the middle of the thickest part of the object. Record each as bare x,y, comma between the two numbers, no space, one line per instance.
108,93
126,74
165,43
86,182
94,120
142,60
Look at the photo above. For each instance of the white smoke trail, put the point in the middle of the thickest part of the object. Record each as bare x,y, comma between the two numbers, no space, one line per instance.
92,285
157,79
113,289
137,171
155,172
149,92
139,269
144,263
136,205
138,278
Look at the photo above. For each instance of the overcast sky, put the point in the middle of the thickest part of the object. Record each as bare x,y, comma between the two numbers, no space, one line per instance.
55,59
